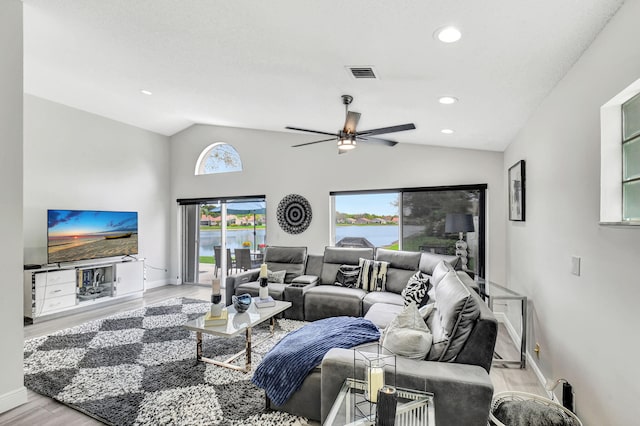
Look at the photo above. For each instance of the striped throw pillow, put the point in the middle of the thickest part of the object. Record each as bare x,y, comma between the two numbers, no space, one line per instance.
373,275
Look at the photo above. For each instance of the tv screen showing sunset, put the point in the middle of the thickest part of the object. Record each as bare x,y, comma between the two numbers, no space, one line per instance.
88,234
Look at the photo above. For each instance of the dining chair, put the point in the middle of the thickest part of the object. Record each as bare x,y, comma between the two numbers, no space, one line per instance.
243,259
218,257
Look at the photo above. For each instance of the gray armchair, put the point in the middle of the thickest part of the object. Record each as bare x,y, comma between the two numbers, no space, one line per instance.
290,259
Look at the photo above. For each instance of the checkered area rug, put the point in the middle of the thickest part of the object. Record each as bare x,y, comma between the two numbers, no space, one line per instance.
139,368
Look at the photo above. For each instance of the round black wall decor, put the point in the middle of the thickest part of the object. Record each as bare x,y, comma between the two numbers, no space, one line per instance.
294,214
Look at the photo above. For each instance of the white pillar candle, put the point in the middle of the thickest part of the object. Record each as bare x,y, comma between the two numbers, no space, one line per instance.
263,271
375,382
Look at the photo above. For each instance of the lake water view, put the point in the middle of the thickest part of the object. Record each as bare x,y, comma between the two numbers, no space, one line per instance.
379,235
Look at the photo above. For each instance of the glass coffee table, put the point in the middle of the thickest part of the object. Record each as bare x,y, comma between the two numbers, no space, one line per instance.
237,324
351,408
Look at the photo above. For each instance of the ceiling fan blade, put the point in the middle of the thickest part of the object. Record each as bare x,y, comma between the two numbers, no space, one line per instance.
351,122
377,141
312,131
311,143
400,128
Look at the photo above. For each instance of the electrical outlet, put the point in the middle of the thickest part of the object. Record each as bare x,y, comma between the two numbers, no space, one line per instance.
575,265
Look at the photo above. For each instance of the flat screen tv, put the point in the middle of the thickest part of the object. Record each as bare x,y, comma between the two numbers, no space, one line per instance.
74,235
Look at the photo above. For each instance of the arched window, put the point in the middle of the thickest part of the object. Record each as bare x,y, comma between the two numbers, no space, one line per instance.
219,157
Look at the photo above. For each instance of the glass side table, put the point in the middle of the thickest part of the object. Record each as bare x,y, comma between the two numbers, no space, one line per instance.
414,407
492,292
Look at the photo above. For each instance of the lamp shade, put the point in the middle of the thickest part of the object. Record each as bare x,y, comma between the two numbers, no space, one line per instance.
458,222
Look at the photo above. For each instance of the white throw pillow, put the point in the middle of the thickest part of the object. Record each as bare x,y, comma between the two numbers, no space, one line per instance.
442,268
276,277
408,335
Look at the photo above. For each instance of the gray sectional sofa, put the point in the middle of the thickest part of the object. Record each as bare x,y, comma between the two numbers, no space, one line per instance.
464,330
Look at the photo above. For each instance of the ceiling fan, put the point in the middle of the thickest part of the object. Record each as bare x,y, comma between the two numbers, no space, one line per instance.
348,137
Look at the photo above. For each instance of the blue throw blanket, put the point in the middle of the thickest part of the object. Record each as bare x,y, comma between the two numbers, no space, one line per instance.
288,363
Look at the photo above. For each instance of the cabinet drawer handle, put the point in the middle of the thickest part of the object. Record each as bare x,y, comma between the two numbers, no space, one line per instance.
56,291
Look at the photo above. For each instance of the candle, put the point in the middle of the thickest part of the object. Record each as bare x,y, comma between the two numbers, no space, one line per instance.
216,286
375,382
263,271
386,408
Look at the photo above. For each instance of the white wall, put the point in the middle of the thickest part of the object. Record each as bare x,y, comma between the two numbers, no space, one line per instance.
77,160
587,326
12,391
273,168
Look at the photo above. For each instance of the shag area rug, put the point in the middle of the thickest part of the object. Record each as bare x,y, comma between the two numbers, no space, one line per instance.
139,368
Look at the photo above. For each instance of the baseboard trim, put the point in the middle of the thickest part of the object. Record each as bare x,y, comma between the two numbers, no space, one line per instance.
513,334
155,284
13,399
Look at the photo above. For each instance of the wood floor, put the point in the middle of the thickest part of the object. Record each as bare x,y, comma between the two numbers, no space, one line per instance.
43,411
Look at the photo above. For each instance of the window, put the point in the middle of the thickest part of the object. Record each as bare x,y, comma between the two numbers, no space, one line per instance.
443,220
218,158
366,220
620,158
631,159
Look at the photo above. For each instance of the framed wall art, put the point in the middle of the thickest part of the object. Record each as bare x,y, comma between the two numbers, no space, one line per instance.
517,191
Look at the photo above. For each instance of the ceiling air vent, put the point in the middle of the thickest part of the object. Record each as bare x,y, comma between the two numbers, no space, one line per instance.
362,72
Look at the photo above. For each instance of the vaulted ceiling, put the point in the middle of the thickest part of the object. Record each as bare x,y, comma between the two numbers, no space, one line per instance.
271,64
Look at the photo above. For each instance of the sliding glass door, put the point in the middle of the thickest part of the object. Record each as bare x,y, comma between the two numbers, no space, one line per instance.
211,226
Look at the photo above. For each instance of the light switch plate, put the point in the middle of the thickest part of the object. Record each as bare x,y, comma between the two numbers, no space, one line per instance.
575,265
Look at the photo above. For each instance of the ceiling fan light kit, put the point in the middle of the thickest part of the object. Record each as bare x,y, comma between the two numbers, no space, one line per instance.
348,137
346,144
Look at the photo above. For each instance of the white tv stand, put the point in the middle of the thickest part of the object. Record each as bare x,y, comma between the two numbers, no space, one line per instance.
55,290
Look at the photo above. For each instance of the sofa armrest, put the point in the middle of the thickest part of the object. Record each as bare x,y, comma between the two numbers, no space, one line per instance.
462,392
234,281
295,292
304,280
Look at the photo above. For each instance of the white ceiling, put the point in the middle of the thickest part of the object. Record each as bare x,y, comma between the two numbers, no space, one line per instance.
270,64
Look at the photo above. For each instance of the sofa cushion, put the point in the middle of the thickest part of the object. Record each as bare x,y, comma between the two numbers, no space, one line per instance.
408,335
428,262
416,290
326,301
290,259
347,276
453,318
276,276
381,314
373,275
253,288
402,265
336,256
376,297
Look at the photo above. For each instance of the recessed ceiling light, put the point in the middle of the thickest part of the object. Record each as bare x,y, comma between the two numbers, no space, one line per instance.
446,131
448,34
146,92
447,100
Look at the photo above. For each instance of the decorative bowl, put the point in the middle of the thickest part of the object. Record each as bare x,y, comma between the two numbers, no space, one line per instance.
242,302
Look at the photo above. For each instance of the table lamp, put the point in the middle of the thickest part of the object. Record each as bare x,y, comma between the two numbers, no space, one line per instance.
460,223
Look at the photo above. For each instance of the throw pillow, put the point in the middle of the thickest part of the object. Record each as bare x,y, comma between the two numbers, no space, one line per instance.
426,311
373,275
276,277
442,268
347,276
408,335
416,290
